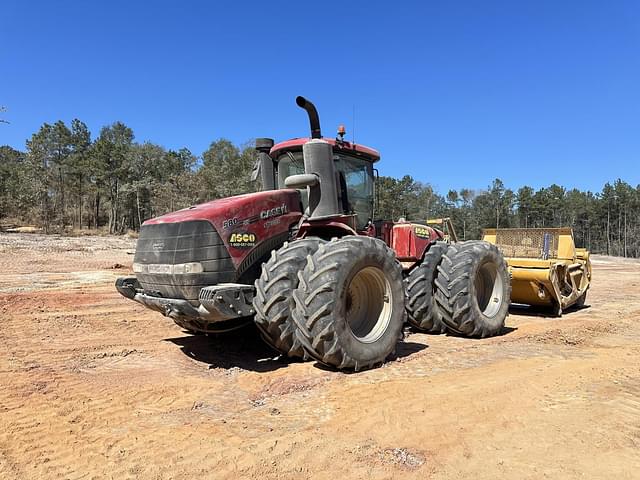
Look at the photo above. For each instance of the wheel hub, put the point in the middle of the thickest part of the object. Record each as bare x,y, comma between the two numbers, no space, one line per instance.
368,304
488,289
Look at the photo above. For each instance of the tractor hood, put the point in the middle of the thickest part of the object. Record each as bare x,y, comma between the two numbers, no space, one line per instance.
245,223
239,210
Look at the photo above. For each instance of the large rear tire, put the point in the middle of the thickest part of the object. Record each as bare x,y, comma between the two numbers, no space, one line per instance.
473,289
423,312
350,303
273,301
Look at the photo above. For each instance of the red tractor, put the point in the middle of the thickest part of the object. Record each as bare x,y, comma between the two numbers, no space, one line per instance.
307,261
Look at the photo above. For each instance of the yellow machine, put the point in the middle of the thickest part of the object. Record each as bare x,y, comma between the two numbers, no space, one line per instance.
446,225
546,267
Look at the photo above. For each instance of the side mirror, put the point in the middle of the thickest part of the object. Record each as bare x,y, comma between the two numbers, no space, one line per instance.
301,181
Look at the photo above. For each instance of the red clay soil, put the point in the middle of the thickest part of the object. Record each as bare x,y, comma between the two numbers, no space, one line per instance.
95,386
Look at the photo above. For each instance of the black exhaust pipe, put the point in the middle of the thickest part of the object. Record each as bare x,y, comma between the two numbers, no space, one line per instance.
319,170
314,120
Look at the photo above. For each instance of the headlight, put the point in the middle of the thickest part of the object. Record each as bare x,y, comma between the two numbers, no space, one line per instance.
164,269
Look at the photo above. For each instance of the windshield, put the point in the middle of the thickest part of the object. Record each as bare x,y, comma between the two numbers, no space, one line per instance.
357,174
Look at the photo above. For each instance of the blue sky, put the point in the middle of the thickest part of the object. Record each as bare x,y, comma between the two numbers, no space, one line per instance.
453,93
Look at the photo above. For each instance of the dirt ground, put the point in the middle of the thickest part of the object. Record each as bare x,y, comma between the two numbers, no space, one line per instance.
95,386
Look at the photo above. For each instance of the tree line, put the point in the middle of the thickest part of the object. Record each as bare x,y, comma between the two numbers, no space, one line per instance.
604,222
65,180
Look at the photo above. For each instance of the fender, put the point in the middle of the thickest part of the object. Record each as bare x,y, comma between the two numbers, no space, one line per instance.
410,241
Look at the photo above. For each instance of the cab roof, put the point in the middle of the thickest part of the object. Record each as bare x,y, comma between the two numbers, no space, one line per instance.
296,144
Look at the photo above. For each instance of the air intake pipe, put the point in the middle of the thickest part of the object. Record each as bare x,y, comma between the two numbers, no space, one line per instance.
264,164
320,173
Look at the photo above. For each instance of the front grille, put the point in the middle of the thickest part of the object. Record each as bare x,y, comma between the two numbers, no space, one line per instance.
177,244
528,242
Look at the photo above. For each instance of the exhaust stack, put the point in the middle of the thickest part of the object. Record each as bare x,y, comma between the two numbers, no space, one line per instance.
314,119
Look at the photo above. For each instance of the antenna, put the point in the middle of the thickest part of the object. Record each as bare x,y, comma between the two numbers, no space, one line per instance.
353,126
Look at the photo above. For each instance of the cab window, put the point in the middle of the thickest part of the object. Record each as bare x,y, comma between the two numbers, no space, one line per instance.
358,178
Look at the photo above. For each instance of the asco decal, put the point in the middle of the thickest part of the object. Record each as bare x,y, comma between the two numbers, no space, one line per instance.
422,232
242,240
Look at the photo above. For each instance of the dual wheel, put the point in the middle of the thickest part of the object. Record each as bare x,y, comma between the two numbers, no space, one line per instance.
343,302
463,288
340,302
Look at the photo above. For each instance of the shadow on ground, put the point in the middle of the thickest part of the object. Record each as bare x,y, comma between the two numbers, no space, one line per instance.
245,349
544,312
404,349
241,348
503,331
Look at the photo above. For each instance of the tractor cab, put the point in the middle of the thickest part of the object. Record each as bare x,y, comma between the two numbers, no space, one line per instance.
336,181
354,171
